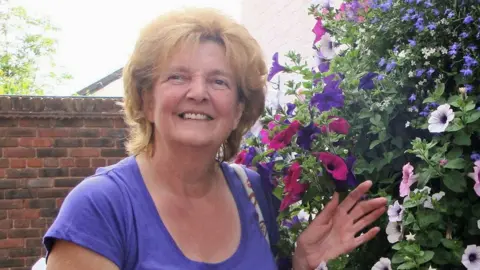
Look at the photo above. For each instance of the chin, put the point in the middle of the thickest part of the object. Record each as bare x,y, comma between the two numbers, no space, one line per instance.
196,139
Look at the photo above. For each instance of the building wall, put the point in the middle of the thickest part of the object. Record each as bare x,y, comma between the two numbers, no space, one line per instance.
47,146
280,26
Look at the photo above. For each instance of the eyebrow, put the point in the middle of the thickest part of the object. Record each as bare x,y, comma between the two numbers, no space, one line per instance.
210,73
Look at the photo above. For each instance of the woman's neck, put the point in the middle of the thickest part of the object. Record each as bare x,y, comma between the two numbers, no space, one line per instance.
183,172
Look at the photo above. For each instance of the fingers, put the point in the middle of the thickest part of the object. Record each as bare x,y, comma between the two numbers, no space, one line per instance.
355,196
327,213
365,207
366,237
368,219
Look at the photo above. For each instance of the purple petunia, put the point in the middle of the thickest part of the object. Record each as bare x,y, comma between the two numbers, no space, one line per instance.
290,108
412,42
276,67
431,26
469,61
420,72
475,156
412,98
331,97
390,66
306,135
466,72
366,82
468,19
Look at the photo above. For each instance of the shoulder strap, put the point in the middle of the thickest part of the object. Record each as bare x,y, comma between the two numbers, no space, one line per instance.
253,199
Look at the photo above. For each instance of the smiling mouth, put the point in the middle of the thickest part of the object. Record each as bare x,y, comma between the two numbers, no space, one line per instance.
195,116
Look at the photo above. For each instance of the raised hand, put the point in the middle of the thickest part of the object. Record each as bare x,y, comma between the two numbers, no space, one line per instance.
332,232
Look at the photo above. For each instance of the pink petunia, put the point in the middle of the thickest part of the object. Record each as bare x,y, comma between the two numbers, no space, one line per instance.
318,30
265,136
293,188
284,137
476,177
335,165
408,179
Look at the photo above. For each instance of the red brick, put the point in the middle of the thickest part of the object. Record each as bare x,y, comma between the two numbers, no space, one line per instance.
50,162
53,132
85,152
19,194
24,233
40,183
24,213
35,142
114,133
18,163
11,204
35,123
112,161
69,123
8,142
22,173
77,172
21,223
120,123
99,142
39,223
82,162
51,152
19,152
25,252
6,122
3,214
35,162
33,242
68,142
113,153
40,203
59,202
11,243
67,162
99,123
20,132
53,192
2,173
6,224
85,132
98,162
4,163
8,183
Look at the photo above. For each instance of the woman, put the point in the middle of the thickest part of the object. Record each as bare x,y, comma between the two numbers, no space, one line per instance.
195,84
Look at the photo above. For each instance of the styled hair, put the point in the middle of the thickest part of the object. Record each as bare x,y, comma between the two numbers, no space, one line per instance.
165,36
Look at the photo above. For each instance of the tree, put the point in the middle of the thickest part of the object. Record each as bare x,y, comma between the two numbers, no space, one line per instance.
27,47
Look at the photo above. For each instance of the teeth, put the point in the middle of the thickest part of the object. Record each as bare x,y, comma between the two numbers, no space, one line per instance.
195,116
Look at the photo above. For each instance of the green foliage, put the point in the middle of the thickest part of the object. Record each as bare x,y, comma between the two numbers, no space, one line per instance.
27,47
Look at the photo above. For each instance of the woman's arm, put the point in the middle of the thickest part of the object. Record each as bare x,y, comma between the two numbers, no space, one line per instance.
66,255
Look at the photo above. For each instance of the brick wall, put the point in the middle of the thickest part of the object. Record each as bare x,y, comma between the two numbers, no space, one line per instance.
47,146
280,26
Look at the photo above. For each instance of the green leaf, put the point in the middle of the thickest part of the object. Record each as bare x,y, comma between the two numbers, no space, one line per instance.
407,265
398,258
472,117
470,106
409,219
427,256
424,177
457,163
454,153
461,138
439,90
429,100
455,181
374,143
449,243
426,217
455,125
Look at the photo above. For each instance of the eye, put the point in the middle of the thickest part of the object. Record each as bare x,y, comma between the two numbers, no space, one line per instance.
177,78
220,84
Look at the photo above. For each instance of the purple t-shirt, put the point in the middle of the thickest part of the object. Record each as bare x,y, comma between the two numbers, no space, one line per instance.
113,214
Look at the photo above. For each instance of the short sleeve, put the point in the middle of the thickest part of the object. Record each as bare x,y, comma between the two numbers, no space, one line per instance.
92,216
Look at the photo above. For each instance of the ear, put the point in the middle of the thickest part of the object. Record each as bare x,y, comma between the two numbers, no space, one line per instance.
238,114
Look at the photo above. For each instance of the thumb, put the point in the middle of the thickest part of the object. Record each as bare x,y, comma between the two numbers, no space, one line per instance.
327,213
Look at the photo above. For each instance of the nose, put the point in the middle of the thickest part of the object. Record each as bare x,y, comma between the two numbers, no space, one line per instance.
198,89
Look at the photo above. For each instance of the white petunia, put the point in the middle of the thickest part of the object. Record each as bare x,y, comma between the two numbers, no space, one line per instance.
440,118
471,257
395,212
394,232
478,223
383,264
437,197
407,124
431,268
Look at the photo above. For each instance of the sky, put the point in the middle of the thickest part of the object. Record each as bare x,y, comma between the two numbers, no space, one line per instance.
97,36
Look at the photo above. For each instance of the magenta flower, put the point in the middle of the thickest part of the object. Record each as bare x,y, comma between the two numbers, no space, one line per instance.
318,30
476,177
276,67
408,179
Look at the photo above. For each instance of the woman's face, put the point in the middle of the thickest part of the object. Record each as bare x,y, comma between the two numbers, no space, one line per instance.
195,101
